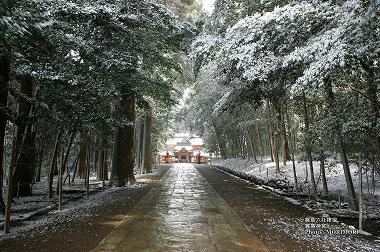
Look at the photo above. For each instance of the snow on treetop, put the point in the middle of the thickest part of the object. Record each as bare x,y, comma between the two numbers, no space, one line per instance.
316,36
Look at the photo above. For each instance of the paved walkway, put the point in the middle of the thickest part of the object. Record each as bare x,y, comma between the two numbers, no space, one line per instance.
182,213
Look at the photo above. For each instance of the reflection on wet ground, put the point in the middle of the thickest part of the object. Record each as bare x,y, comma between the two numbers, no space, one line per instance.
182,213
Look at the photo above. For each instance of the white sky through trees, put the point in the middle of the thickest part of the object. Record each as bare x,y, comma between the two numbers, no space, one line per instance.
208,5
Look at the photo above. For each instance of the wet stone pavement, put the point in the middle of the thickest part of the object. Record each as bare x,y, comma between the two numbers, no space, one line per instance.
182,213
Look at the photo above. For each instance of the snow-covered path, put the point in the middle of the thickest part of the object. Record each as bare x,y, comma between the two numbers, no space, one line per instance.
182,213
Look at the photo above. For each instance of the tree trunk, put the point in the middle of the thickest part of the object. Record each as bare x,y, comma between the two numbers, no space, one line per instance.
241,143
106,164
346,169
308,147
235,144
53,163
87,180
147,142
16,151
59,164
270,133
231,144
4,82
140,150
248,150
221,142
136,143
115,162
74,166
101,160
8,209
261,144
248,153
294,171
292,137
64,161
26,163
39,165
251,144
125,146
286,145
277,152
83,155
280,130
97,158
360,174
306,173
323,172
373,180
275,136
101,165
374,103
347,175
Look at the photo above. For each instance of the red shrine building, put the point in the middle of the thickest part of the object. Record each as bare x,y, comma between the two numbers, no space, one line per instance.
185,147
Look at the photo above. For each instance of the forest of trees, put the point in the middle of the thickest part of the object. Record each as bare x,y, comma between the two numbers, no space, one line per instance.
86,85
290,78
90,85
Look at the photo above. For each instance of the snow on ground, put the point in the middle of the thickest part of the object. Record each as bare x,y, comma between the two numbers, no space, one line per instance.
24,205
334,173
283,183
75,205
341,238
